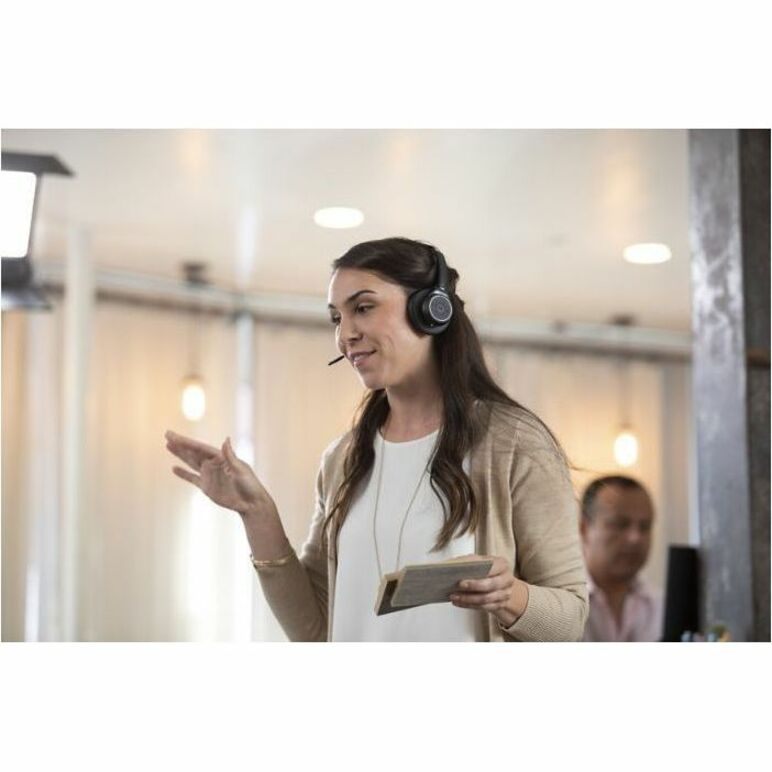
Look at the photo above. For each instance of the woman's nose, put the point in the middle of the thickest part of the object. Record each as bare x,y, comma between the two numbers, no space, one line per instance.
348,331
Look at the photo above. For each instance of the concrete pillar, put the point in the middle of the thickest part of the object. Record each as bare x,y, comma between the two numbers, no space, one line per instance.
729,237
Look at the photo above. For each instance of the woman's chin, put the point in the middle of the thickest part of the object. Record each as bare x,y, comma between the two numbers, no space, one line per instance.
371,381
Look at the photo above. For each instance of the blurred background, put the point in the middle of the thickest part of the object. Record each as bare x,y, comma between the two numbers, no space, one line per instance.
177,279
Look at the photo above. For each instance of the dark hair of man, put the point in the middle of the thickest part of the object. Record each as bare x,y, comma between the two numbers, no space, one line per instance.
464,377
591,492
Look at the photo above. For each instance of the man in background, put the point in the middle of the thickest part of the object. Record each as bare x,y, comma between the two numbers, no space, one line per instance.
616,520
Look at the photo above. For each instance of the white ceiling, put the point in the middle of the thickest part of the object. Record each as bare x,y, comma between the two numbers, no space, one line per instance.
534,220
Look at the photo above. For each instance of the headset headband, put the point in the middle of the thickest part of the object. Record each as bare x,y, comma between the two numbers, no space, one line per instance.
441,280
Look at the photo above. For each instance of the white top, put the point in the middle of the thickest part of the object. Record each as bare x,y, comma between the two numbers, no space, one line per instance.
357,579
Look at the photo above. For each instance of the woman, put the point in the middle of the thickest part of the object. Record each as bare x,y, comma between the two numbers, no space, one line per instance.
439,463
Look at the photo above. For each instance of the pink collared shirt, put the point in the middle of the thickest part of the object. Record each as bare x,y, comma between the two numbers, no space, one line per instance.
641,615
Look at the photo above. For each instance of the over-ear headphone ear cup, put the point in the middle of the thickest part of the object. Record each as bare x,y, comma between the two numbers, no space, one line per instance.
430,310
417,316
414,312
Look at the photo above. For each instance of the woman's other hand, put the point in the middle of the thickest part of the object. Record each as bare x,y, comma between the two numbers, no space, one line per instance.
500,593
222,476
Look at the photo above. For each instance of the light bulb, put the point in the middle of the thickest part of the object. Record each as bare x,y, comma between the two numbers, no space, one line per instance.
626,448
193,398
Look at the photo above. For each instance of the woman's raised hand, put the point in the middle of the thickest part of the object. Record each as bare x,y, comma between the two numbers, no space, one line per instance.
224,478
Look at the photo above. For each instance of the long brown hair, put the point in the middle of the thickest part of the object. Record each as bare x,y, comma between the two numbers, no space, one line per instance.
464,379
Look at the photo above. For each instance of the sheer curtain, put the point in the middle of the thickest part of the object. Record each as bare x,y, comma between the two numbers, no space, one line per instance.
160,553
15,536
31,389
158,560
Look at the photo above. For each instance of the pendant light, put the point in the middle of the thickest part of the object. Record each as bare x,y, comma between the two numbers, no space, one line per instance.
626,441
193,393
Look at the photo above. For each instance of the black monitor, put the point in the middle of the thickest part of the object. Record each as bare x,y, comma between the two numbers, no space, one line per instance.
681,608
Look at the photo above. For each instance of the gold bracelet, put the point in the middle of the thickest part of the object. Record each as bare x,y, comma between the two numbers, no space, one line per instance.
270,563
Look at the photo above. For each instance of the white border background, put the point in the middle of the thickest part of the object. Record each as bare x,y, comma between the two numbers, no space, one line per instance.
384,64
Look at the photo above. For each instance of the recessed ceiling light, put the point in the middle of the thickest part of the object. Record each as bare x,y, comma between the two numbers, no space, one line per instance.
647,254
338,217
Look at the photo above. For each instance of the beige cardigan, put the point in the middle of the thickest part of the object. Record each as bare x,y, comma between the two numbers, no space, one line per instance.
532,521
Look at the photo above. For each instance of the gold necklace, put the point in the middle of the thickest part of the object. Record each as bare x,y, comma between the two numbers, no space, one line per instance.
404,519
